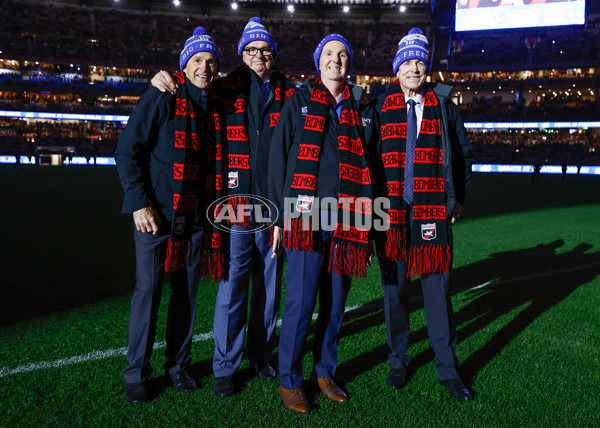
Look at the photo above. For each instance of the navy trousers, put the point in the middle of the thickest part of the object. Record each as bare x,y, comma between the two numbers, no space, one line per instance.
250,257
438,313
308,273
150,252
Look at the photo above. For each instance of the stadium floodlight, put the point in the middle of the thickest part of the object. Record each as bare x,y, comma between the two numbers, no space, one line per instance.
291,8
402,8
234,6
346,9
176,2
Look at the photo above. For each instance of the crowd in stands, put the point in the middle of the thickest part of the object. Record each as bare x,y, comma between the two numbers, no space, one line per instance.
153,40
525,49
536,148
74,51
27,101
560,108
19,137
570,109
538,75
40,77
94,138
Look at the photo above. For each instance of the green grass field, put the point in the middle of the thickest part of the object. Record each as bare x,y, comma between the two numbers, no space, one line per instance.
526,293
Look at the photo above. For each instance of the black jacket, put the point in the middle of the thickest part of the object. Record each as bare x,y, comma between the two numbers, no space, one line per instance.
286,142
458,156
145,153
260,126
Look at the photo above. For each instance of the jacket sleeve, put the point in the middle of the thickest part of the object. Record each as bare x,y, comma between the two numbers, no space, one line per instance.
136,143
462,154
281,143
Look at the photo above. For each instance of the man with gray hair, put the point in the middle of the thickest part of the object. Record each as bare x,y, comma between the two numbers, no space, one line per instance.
426,156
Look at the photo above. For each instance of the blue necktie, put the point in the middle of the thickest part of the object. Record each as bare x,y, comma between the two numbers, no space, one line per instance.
411,141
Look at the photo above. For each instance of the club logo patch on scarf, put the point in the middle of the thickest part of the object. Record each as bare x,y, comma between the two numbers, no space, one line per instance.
304,204
428,231
179,225
232,181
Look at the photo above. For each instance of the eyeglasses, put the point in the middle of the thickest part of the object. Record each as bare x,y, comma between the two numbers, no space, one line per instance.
252,51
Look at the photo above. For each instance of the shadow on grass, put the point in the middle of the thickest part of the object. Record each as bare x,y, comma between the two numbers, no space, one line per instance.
535,279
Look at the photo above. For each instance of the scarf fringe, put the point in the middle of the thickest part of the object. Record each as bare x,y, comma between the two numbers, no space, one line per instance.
348,259
213,264
234,202
177,253
298,234
429,259
396,244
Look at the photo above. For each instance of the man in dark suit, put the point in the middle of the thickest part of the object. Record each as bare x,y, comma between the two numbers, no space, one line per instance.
149,158
426,156
258,90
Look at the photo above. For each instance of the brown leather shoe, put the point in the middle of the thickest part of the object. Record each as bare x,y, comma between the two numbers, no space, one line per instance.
294,399
331,390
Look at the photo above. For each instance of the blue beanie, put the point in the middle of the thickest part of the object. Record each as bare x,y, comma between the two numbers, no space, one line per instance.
412,46
327,39
199,42
256,31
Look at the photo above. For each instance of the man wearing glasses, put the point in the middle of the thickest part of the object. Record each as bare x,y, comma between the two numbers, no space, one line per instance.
253,96
257,91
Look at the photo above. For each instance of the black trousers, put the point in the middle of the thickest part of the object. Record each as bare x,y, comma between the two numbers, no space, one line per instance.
150,251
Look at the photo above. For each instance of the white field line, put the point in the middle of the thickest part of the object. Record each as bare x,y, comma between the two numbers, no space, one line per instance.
100,355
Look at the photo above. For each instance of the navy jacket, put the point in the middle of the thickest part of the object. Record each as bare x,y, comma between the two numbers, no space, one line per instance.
286,143
146,152
458,156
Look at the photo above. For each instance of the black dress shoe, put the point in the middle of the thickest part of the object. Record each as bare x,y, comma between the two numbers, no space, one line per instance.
137,393
265,371
223,386
457,389
183,382
396,378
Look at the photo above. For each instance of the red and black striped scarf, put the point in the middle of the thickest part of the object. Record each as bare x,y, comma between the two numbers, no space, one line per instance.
350,241
429,248
198,182
235,89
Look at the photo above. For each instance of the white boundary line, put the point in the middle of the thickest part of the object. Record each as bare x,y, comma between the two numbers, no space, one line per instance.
101,355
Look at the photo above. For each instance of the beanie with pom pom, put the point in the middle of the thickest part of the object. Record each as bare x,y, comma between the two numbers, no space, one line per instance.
199,42
412,46
256,31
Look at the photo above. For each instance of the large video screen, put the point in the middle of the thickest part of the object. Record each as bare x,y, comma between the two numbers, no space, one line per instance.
472,15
